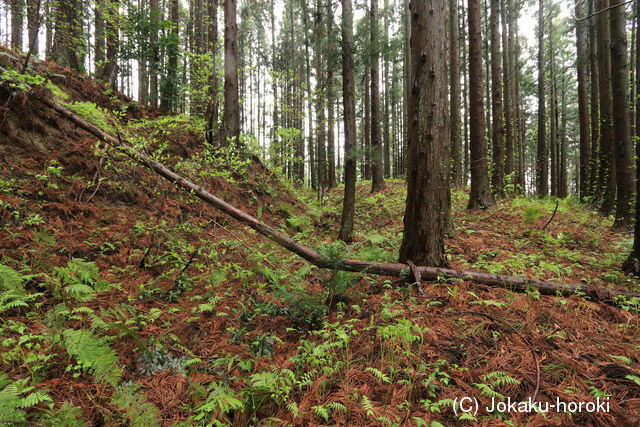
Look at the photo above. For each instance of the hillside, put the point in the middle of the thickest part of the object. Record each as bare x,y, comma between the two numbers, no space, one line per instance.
125,301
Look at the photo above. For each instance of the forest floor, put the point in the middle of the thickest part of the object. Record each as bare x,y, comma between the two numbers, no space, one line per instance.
124,301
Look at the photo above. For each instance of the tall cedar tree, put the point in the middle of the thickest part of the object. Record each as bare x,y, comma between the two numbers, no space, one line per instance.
480,197
169,85
583,100
349,103
632,264
377,168
17,14
428,144
319,38
621,117
231,118
553,114
607,178
507,78
68,44
497,175
542,159
212,107
33,25
594,104
454,90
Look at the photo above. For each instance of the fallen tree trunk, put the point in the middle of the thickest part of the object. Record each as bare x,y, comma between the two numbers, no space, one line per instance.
596,293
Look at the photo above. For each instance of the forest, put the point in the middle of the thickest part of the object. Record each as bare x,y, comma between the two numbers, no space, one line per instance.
291,212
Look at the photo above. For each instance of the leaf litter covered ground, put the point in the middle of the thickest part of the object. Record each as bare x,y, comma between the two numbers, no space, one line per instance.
126,302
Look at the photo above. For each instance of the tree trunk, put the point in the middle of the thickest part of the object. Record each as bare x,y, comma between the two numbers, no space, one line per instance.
465,101
377,168
109,72
212,105
428,144
274,80
366,167
310,145
621,118
497,176
319,37
542,163
385,77
17,19
100,44
507,77
553,114
331,148
607,177
594,104
33,25
632,263
154,58
231,118
169,84
480,196
583,101
349,103
68,43
454,90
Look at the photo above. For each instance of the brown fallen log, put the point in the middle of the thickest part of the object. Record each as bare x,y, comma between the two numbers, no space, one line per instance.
596,293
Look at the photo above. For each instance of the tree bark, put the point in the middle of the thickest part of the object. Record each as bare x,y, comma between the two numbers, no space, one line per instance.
497,134
632,263
542,162
108,71
169,83
507,78
17,20
33,26
319,38
366,164
425,217
607,177
349,103
621,118
154,58
385,77
377,168
231,118
583,101
594,104
331,148
68,43
553,115
454,86
480,196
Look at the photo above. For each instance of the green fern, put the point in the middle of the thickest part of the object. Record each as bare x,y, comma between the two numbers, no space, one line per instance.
367,405
135,407
68,415
80,280
321,412
16,397
293,408
221,401
93,355
12,280
381,376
